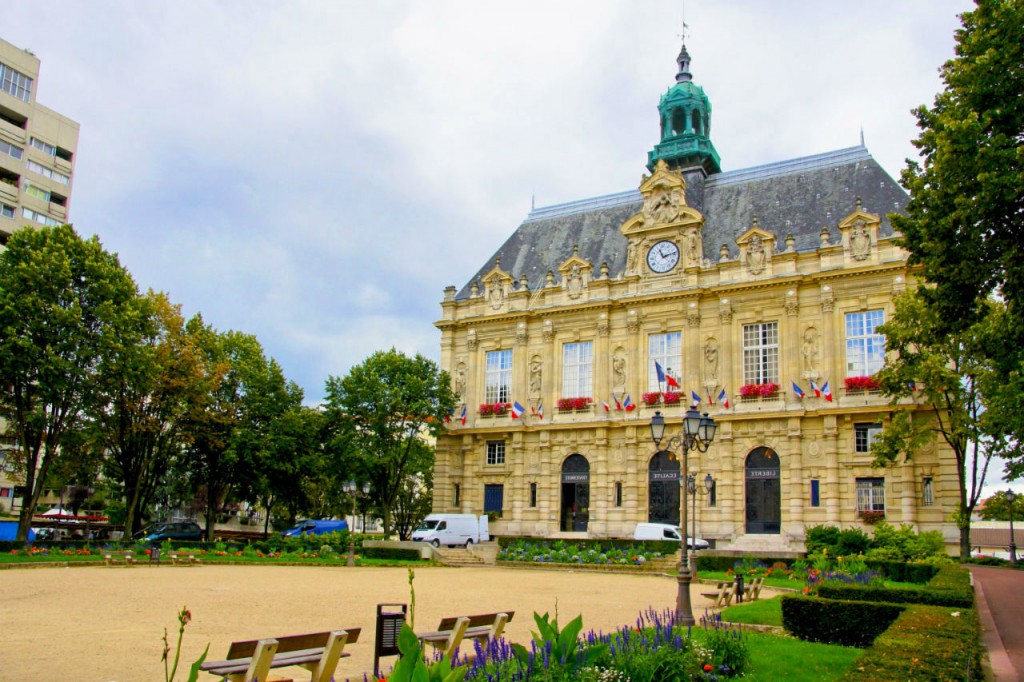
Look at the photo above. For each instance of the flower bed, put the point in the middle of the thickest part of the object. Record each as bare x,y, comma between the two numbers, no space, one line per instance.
561,553
753,391
651,398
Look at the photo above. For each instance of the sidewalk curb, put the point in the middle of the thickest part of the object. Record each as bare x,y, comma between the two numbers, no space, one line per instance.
999,660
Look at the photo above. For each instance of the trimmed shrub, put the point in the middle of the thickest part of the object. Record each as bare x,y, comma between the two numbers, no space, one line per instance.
847,623
903,572
821,537
662,546
728,563
950,587
391,553
924,643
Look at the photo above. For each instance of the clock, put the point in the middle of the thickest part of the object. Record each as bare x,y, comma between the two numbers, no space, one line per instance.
663,256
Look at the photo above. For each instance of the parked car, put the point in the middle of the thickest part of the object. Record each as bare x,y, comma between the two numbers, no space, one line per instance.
170,530
666,531
316,527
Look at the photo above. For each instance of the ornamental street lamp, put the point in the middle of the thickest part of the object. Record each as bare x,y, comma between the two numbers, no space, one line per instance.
352,488
1013,547
698,432
691,487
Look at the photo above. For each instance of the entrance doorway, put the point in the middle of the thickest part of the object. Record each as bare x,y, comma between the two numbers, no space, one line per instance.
764,492
575,494
663,482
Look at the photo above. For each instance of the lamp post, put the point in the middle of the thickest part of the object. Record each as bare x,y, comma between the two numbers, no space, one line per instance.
691,487
1013,546
352,488
698,432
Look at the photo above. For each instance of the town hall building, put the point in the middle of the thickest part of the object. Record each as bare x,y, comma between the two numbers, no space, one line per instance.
757,292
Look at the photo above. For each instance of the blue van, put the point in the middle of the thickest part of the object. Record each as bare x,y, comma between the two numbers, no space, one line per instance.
315,527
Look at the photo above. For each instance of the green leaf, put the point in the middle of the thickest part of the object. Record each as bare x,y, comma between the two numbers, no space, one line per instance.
193,673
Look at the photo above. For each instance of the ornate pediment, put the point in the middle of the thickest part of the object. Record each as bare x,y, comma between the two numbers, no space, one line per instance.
756,248
664,194
859,232
497,286
576,274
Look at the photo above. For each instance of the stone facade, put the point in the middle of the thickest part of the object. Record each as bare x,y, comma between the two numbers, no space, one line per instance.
583,300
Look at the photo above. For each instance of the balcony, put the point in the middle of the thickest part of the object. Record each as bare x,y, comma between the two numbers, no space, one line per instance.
12,133
8,192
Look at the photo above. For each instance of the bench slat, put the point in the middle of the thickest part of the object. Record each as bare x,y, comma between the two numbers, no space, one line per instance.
311,640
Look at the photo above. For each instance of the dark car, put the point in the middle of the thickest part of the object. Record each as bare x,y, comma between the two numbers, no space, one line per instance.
178,530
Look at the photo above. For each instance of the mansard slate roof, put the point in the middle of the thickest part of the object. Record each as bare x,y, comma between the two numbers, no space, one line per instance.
799,196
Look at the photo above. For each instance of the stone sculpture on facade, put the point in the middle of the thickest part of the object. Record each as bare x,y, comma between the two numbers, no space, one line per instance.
756,256
860,241
536,383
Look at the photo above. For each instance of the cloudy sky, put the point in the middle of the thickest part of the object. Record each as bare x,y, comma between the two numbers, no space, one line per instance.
316,173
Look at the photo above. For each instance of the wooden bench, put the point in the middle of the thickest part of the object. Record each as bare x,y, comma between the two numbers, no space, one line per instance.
722,595
753,591
317,652
451,631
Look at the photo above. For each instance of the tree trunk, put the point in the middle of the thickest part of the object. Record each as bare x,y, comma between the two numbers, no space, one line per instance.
34,481
965,543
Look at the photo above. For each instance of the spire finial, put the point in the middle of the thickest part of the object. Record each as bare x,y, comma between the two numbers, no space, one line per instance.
858,202
575,249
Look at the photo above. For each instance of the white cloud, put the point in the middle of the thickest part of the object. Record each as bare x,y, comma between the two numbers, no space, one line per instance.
316,172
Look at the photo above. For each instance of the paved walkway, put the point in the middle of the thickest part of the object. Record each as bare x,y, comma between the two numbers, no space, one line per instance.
1000,598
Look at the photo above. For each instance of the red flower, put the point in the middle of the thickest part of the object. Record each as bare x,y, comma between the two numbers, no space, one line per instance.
651,397
865,383
708,668
672,397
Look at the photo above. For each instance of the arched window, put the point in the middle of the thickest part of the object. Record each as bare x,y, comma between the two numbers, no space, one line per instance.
695,121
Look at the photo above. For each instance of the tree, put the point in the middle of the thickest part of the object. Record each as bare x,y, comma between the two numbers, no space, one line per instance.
997,508
415,495
65,308
955,374
228,422
965,220
144,392
379,412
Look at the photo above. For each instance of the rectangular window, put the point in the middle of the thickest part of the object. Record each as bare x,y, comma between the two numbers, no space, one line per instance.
667,350
927,492
498,386
458,494
577,369
864,435
533,494
43,146
5,492
815,493
45,172
761,353
6,211
39,217
618,493
495,452
870,494
865,350
10,150
713,495
494,498
37,192
15,83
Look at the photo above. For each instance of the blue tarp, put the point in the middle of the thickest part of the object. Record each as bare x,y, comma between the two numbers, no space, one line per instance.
9,529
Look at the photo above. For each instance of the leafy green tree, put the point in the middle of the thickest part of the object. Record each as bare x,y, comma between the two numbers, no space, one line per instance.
228,422
965,219
379,412
954,373
144,392
65,308
415,495
997,507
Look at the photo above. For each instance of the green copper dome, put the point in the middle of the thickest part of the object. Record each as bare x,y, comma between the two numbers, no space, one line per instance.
685,113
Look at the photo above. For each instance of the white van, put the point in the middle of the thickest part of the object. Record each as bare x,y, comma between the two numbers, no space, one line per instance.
452,529
665,531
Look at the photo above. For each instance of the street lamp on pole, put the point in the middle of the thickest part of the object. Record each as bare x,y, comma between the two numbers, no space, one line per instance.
352,488
698,432
691,487
1013,546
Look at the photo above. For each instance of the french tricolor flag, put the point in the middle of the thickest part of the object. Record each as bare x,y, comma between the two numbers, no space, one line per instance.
618,405
826,391
517,410
723,398
628,404
607,407
814,387
696,398
540,410
463,415
798,391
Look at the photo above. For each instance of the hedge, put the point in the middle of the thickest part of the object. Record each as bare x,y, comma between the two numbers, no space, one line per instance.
602,545
950,587
849,623
925,643
904,572
725,563
391,553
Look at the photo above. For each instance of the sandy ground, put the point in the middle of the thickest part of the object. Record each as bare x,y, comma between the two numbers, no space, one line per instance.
105,624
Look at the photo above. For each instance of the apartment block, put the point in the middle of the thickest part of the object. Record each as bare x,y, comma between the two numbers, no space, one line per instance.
37,148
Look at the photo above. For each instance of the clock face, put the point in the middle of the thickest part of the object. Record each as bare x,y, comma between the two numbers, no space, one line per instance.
663,256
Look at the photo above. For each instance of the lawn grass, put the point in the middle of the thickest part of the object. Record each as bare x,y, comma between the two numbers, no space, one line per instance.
775,657
787,583
760,612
